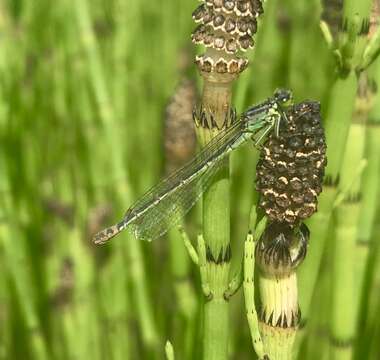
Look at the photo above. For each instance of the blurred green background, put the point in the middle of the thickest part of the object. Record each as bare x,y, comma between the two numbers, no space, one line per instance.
84,86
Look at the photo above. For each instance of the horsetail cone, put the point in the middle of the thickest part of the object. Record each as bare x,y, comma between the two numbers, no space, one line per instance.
291,166
179,132
225,28
281,248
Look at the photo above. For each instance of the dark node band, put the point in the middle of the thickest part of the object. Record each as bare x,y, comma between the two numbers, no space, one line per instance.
224,255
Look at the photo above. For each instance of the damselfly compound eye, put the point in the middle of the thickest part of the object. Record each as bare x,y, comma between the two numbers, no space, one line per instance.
283,96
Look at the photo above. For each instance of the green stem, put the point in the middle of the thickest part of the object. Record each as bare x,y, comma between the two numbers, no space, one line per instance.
344,295
20,280
249,295
216,229
180,272
337,122
368,232
369,195
319,223
372,305
141,297
279,300
342,323
338,119
371,185
184,292
317,344
216,234
216,327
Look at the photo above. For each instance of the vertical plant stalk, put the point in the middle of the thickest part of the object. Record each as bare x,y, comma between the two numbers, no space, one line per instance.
248,283
77,267
279,336
180,145
267,51
216,230
370,110
280,314
347,47
226,27
368,228
289,178
302,33
348,256
180,142
369,337
18,267
345,297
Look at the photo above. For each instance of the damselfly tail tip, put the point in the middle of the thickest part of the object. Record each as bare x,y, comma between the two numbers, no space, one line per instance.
103,236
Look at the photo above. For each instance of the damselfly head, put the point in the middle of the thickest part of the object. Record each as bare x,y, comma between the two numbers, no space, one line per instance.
284,97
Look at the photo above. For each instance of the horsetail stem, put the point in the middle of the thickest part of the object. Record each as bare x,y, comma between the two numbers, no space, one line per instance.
347,270
226,28
347,47
370,182
289,179
179,144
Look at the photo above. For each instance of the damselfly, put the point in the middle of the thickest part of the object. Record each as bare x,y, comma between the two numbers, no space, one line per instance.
167,202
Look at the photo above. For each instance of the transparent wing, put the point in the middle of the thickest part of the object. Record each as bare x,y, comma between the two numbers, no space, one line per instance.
171,209
167,202
164,204
212,150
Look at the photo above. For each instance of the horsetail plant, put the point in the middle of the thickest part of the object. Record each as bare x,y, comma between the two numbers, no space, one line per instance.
179,144
289,178
345,269
226,27
367,108
348,273
166,203
248,283
179,132
366,241
347,48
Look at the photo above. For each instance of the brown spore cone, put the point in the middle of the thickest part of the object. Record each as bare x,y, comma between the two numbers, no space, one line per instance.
225,28
179,134
291,166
